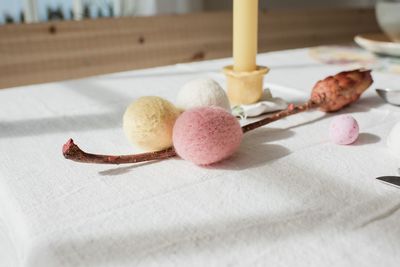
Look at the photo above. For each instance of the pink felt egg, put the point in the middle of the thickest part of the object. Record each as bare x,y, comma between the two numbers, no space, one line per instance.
206,135
343,130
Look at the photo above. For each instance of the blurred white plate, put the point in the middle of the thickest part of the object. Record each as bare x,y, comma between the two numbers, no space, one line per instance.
378,43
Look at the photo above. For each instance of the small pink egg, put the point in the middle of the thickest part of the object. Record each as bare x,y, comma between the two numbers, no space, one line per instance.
206,135
343,130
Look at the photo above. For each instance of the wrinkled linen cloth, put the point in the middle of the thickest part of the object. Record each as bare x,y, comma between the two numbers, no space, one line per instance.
288,197
267,104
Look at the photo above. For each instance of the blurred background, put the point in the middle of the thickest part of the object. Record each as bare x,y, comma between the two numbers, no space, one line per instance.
52,40
17,11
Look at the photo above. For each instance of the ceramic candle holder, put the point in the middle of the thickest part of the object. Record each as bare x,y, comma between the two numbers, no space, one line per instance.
245,87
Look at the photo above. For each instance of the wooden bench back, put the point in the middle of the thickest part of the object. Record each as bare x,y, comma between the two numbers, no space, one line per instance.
36,53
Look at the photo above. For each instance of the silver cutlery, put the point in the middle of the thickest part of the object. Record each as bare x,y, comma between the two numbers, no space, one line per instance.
390,180
391,96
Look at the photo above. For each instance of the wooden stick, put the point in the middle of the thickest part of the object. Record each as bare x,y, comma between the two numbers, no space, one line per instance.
291,110
72,152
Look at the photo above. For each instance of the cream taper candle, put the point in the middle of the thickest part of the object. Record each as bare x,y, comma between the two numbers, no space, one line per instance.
245,34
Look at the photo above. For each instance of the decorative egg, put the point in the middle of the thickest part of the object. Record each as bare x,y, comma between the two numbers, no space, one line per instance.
206,135
202,92
343,130
148,123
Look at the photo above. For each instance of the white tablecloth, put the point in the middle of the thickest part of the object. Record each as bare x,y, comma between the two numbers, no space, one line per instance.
288,197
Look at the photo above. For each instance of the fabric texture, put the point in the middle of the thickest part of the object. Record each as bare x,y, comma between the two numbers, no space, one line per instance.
287,197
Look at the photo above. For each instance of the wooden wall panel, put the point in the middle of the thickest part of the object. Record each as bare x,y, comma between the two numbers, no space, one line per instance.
35,53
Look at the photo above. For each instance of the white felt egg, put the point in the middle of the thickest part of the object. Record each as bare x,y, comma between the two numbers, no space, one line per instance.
203,92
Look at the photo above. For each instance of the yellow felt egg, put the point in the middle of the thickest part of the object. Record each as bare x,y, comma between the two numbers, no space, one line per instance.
148,123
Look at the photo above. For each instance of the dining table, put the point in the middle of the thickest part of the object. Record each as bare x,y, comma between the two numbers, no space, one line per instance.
288,197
